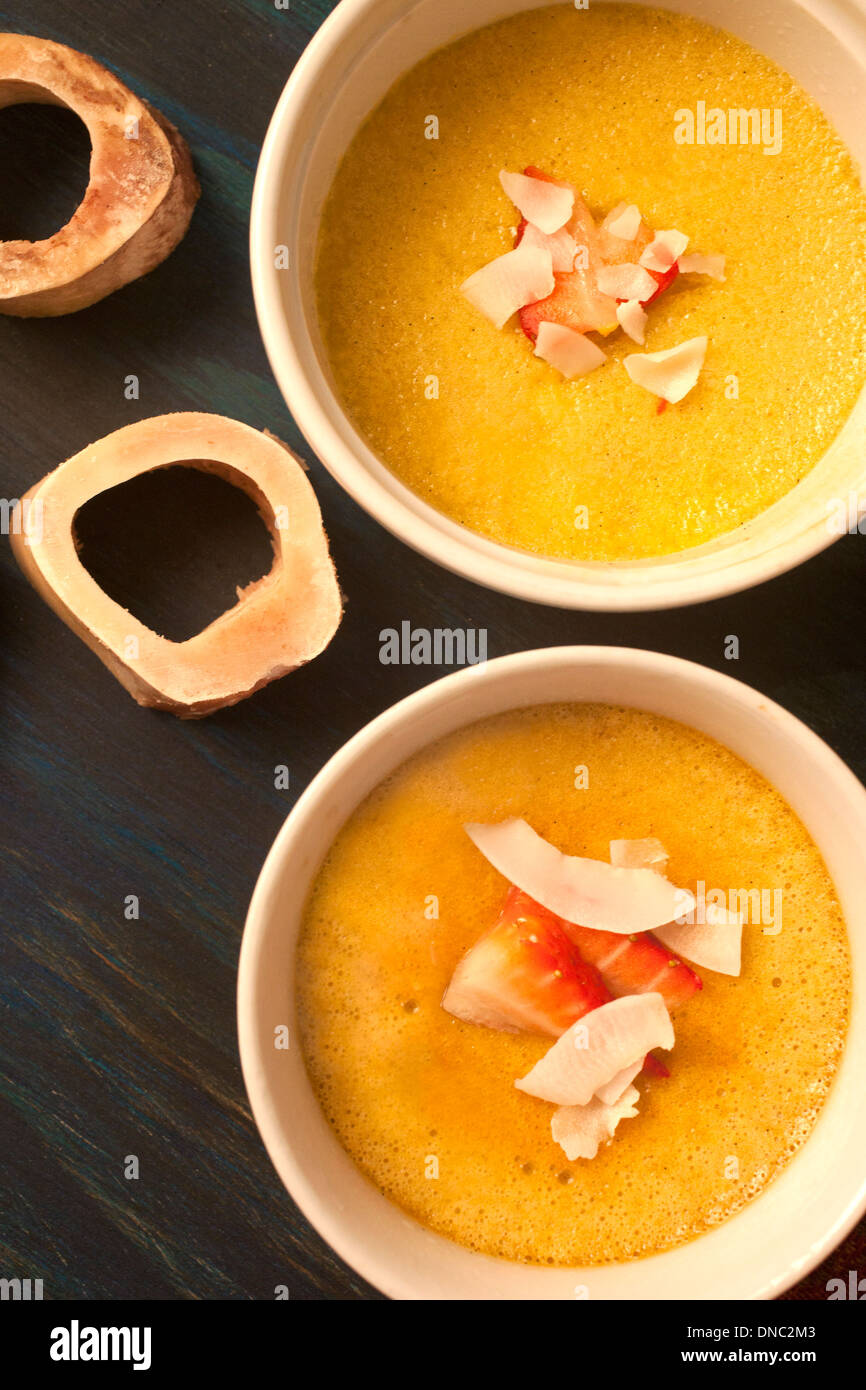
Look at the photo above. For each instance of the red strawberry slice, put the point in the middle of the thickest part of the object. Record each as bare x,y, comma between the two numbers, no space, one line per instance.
664,278
653,1066
525,974
614,251
636,964
576,301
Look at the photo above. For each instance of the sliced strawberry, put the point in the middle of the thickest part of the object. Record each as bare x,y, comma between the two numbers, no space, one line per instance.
665,278
533,172
576,301
614,251
636,964
561,245
525,974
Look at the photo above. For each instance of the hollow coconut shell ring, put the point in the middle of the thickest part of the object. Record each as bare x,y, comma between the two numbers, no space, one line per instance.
140,196
279,622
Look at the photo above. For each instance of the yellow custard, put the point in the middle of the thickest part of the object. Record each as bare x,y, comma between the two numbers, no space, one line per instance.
464,414
426,1104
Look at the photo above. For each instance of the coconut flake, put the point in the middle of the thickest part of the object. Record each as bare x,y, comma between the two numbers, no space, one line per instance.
664,249
581,1129
623,221
616,1088
671,373
626,281
595,1049
546,205
586,891
632,318
561,245
698,264
649,853
569,352
714,945
506,284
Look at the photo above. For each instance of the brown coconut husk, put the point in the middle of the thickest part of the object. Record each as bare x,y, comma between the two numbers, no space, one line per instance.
279,622
140,196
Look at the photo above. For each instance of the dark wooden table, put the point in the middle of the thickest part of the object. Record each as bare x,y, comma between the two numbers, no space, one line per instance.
119,1035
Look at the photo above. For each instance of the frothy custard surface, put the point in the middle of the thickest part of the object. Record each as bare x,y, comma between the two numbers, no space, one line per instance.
510,448
412,1092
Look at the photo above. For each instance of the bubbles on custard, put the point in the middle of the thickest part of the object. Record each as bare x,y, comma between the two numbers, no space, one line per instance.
753,1060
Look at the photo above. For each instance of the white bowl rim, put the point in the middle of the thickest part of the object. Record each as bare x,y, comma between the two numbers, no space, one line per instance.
850,1207
447,543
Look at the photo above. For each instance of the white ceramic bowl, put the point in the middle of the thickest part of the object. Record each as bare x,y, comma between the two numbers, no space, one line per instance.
759,1252
354,58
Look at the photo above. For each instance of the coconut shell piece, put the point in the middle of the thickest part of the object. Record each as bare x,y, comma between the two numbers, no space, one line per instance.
279,622
139,199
